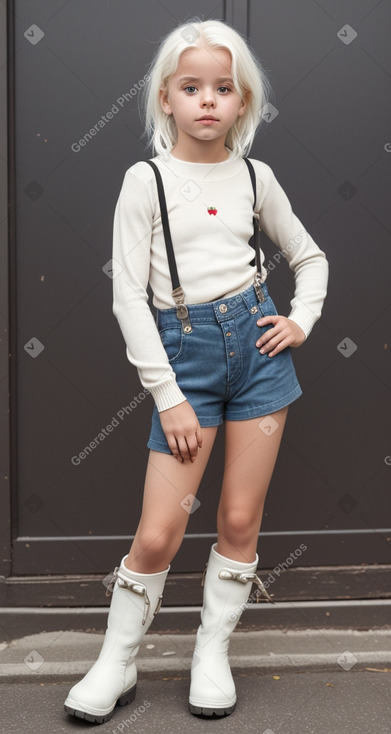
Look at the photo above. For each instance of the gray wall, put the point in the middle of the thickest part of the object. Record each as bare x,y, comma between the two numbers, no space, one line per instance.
330,148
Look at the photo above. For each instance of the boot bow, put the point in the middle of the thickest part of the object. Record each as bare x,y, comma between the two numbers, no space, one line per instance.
125,583
243,577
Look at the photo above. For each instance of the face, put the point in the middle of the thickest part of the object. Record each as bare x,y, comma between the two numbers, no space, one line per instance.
203,85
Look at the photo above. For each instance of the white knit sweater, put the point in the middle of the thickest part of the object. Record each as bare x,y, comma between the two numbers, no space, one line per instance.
211,251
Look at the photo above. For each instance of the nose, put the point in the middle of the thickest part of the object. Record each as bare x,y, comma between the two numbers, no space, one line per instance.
208,97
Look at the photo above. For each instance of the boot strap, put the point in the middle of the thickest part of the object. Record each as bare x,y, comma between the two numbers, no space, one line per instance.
203,574
243,577
125,583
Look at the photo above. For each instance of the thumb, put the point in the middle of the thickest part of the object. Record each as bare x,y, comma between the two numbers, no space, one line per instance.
199,435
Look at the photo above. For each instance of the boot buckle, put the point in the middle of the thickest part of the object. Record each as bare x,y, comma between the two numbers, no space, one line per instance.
203,574
158,605
255,579
125,583
243,577
225,573
111,584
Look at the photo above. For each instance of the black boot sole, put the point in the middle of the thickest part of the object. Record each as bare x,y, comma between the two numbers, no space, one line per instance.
211,712
123,700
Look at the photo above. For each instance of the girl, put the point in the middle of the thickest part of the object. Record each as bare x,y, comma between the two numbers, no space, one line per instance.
217,351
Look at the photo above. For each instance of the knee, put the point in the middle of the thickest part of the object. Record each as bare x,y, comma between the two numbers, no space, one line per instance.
154,549
237,526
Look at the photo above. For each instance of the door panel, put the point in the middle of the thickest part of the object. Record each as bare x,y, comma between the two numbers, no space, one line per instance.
76,391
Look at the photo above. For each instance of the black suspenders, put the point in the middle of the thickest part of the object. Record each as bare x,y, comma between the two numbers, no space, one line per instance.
177,290
255,240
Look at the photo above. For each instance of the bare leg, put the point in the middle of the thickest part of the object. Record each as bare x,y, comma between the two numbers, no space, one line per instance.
250,457
163,519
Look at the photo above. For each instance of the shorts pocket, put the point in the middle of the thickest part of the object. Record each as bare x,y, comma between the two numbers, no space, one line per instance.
173,341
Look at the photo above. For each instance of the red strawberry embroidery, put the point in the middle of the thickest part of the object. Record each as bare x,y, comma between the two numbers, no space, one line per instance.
212,210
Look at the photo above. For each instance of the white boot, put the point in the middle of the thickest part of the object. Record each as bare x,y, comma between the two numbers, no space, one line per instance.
227,585
112,679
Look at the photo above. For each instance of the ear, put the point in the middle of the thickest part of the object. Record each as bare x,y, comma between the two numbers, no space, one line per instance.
163,97
244,104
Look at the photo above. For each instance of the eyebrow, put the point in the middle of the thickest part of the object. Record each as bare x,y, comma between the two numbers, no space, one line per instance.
196,79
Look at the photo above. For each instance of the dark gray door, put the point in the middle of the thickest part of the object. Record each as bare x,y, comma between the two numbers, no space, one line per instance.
329,146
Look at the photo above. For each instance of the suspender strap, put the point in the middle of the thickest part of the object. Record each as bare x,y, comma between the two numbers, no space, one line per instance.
177,292
252,176
166,226
255,241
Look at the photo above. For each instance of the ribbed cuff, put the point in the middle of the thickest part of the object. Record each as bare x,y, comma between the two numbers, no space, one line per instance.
167,395
304,317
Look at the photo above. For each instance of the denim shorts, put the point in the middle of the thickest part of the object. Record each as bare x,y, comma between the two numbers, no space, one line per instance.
217,365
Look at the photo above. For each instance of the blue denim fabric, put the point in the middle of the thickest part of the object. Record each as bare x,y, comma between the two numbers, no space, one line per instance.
217,365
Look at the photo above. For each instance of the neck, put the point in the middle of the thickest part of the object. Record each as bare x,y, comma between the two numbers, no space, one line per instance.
200,151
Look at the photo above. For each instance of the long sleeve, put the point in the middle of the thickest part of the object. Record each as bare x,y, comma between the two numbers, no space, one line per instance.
213,254
132,230
305,258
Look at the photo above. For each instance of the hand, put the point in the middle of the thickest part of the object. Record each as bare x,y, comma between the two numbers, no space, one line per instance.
285,333
182,430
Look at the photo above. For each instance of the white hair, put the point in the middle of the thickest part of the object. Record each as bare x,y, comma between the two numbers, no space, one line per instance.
248,75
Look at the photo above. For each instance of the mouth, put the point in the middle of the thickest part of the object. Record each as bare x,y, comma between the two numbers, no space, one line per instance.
207,121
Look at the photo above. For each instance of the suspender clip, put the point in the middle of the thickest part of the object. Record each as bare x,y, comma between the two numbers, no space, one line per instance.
181,309
258,274
257,287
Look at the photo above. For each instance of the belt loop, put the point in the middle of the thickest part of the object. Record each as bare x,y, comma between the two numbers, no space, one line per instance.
181,309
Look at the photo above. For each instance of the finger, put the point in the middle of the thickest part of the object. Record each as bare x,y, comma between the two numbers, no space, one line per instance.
199,435
171,440
274,340
183,448
276,328
193,446
282,345
270,338
272,319
266,336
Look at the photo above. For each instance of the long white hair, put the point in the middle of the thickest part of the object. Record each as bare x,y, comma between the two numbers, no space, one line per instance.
249,78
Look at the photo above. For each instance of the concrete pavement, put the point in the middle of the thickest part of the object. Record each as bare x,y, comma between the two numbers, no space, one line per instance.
66,653
288,682
294,702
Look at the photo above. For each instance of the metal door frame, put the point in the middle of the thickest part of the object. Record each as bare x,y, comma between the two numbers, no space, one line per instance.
7,217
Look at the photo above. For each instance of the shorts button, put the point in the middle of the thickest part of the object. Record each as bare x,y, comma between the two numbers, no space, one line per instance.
231,354
222,308
254,309
228,333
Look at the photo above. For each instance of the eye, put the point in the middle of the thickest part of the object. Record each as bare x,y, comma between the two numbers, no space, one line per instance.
227,88
190,86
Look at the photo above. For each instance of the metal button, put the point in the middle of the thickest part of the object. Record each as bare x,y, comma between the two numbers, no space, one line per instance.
231,354
228,333
254,309
187,329
223,308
